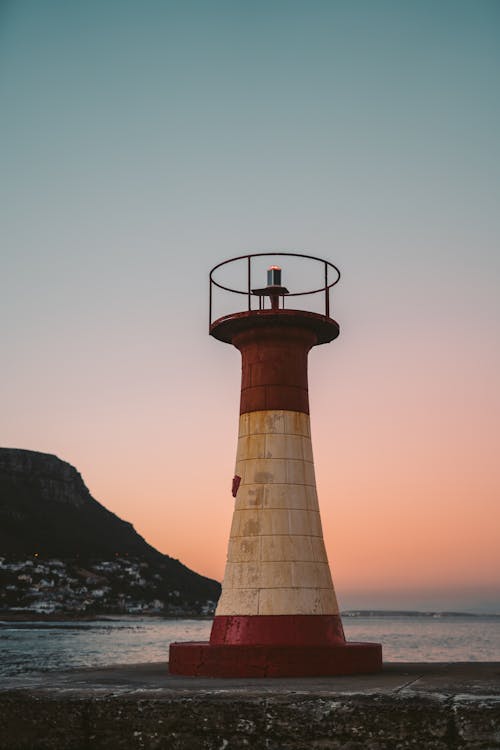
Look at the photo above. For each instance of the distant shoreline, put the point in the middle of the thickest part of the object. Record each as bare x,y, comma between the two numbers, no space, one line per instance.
75,617
96,617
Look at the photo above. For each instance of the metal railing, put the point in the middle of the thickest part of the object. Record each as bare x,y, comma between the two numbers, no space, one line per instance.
327,268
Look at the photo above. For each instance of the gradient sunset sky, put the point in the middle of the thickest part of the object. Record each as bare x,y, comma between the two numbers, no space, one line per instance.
144,142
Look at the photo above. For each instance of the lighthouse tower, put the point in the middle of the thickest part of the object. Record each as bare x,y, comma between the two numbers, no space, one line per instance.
278,613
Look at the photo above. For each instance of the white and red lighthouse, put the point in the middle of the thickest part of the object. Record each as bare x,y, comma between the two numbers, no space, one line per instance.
278,613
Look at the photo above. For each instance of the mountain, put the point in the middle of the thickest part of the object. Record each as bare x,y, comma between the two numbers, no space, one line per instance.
47,512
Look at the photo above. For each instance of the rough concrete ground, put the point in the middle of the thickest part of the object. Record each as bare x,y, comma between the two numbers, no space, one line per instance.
424,706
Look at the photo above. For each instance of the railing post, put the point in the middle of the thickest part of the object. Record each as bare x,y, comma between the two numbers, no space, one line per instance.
210,304
327,292
249,284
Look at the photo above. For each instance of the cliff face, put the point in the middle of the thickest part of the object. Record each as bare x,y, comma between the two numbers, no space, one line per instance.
51,478
46,509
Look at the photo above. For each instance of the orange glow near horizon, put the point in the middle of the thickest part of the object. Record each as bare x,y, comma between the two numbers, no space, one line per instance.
408,497
405,445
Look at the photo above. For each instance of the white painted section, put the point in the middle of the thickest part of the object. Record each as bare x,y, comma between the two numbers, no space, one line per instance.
276,561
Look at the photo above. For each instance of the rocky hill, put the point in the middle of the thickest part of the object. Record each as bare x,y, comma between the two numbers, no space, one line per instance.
47,513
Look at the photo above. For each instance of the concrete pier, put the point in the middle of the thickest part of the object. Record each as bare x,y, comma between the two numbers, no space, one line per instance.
141,706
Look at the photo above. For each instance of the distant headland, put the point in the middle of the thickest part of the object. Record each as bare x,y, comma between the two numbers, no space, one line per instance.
62,552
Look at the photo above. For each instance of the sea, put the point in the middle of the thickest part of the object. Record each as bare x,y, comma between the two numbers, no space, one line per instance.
27,647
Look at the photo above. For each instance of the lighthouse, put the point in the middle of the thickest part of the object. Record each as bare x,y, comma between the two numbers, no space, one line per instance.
278,614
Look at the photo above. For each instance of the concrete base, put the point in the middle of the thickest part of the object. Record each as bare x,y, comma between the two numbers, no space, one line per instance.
143,707
224,660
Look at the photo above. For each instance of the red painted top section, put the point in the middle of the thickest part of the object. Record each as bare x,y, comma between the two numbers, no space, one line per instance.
274,368
274,346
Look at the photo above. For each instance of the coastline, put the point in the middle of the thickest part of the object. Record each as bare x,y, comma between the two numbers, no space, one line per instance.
9,616
98,617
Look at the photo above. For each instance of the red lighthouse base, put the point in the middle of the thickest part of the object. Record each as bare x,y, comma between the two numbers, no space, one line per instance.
228,660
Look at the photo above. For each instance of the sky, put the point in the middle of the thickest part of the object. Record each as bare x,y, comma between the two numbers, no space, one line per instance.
144,142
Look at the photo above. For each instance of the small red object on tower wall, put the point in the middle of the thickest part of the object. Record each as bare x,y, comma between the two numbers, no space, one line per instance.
236,485
277,615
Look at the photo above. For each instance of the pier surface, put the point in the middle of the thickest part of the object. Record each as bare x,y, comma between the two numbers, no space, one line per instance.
425,706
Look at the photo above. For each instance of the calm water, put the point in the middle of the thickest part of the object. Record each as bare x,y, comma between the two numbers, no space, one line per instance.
33,646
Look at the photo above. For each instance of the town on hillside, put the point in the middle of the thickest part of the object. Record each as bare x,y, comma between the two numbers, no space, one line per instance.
123,585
